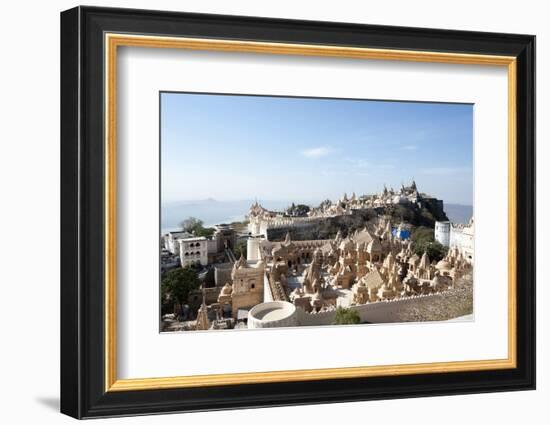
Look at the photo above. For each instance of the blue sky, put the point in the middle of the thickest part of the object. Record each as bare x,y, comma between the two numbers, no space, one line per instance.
306,150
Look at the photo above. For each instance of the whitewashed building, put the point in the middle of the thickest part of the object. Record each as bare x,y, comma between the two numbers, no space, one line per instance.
193,250
456,235
171,241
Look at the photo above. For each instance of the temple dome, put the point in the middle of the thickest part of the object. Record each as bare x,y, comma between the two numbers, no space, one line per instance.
260,264
414,260
227,289
443,266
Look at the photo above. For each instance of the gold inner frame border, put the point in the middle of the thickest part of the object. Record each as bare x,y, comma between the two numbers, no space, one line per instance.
113,40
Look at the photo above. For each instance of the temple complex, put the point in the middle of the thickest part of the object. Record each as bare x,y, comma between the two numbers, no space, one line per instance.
366,267
260,220
376,270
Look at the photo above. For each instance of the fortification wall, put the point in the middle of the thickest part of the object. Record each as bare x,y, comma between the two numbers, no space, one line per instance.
378,312
324,228
435,207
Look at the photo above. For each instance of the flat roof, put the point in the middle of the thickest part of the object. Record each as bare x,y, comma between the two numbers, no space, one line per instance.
193,239
272,311
271,314
179,232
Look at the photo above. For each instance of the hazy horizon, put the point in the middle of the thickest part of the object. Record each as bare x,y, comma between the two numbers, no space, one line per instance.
213,212
312,202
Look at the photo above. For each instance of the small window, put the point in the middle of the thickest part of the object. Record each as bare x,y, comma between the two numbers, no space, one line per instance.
252,286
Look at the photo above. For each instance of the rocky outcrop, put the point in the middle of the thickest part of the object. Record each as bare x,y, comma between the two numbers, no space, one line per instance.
426,214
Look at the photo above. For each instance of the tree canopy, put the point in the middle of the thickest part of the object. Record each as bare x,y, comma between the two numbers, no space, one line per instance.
240,249
422,234
299,210
177,284
423,241
434,249
196,227
346,316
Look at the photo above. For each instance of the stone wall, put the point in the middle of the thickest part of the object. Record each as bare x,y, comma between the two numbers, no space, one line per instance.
245,301
325,228
222,273
435,207
210,295
378,312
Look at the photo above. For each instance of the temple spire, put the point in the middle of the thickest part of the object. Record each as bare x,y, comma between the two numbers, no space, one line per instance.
287,238
203,324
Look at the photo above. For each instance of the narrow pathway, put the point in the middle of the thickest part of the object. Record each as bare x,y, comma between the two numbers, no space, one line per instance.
230,255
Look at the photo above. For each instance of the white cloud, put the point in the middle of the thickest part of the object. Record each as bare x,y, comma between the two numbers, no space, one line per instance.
317,152
409,147
358,162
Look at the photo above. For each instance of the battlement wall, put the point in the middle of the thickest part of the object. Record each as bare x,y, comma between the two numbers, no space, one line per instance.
377,312
324,227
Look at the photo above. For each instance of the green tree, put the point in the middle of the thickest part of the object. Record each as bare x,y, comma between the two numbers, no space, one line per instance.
434,249
422,234
178,283
204,231
196,227
240,249
346,316
424,242
299,210
190,224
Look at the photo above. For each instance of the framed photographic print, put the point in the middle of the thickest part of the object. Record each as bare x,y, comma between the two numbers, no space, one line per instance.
261,212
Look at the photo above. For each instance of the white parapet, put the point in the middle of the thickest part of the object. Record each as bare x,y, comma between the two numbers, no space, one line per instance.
253,249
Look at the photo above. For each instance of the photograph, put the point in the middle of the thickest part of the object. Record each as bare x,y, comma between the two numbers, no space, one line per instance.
281,212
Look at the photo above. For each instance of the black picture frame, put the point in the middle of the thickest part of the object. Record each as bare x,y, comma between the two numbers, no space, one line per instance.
83,392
